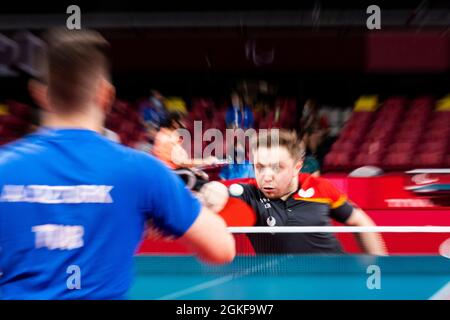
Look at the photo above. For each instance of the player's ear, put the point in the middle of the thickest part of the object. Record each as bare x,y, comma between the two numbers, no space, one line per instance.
298,166
105,95
39,92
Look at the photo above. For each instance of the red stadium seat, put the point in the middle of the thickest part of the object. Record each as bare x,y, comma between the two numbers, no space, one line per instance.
424,101
434,134
397,160
447,160
396,101
367,159
18,109
338,160
371,147
113,121
402,146
380,135
434,146
127,127
429,160
344,146
15,124
353,134
406,136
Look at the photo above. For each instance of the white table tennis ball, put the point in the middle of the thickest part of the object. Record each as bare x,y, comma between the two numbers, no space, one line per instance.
236,190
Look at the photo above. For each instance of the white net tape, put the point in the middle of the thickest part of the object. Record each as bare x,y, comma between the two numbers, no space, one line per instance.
345,229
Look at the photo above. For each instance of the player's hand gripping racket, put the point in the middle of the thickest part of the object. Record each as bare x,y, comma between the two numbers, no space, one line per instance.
234,211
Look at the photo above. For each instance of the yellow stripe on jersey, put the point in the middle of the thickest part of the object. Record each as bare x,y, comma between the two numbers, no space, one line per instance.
319,200
339,202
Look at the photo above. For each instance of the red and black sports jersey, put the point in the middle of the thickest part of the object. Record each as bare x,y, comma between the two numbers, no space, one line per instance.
315,203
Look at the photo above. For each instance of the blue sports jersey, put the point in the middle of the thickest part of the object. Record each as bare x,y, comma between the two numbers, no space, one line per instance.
73,207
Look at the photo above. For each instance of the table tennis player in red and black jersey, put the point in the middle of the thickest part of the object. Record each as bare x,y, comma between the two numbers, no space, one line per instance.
280,196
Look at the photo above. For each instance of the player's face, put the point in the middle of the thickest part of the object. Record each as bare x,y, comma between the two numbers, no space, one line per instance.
275,171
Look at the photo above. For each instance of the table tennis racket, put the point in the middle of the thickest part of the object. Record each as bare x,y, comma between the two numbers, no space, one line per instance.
237,213
220,163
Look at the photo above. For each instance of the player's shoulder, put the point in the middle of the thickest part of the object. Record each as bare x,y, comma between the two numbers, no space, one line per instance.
309,180
322,187
20,149
137,157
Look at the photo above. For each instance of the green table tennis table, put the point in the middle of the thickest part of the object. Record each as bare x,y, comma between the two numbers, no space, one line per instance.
292,277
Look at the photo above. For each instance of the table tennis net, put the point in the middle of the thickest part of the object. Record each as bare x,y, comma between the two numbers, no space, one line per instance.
263,251
396,240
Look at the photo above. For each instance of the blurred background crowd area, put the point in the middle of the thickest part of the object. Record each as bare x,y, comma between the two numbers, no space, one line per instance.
356,96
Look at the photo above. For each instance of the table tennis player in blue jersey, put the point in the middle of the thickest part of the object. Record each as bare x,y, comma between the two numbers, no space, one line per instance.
74,205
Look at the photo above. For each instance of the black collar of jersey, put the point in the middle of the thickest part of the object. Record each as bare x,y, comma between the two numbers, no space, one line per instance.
305,206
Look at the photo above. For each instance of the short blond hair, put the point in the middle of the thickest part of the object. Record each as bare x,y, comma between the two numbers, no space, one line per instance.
280,138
